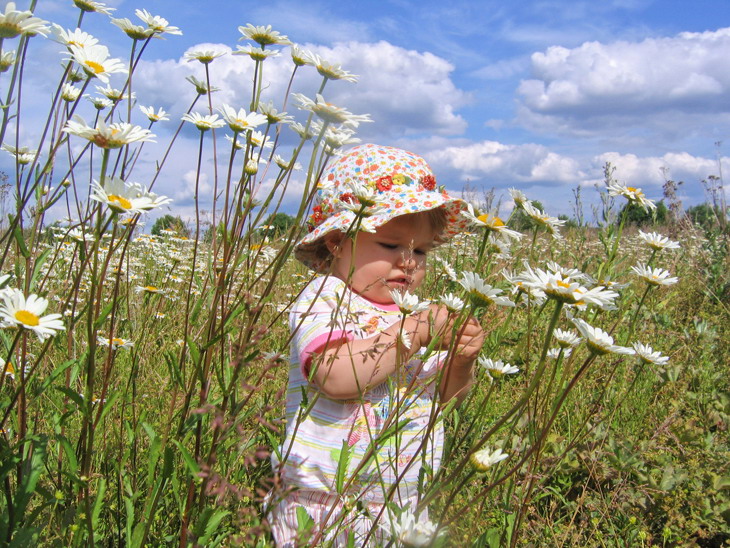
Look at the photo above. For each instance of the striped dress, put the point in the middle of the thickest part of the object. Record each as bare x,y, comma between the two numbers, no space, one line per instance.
391,436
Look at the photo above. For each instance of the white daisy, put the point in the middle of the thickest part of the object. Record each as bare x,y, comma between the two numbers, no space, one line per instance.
26,313
656,241
654,276
124,197
599,342
484,459
498,368
482,294
647,354
408,303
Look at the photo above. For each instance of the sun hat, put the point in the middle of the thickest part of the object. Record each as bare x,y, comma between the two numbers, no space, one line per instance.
368,186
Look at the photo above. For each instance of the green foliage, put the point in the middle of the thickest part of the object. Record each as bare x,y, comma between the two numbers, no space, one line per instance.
170,222
704,215
277,224
638,216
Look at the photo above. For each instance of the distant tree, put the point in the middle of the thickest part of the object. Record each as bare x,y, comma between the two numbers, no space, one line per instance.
170,222
277,223
636,215
704,215
569,223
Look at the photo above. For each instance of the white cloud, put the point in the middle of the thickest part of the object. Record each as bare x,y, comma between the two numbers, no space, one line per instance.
508,164
652,171
626,83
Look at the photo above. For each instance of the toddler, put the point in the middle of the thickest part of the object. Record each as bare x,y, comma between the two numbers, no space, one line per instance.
362,406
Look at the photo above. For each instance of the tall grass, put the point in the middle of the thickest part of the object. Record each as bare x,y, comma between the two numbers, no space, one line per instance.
150,417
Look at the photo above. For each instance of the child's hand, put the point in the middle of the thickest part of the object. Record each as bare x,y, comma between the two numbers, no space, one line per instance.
469,336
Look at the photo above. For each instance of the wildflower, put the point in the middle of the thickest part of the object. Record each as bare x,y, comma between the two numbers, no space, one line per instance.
484,459
552,224
237,144
70,93
112,136
203,56
658,242
329,112
96,62
14,22
160,116
490,222
647,354
563,288
91,5
337,138
414,532
331,71
135,32
566,339
239,121
555,353
158,25
123,197
114,342
304,133
452,303
633,195
273,116
497,368
16,309
286,164
408,303
114,95
257,54
482,294
9,369
149,289
518,197
251,167
68,38
301,56
201,87
204,122
263,35
599,342
100,103
450,272
7,60
654,276
78,235
23,155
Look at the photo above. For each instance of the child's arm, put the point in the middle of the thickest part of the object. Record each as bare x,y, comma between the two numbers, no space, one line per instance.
459,370
351,368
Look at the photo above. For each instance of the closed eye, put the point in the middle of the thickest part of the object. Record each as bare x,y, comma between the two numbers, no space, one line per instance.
388,246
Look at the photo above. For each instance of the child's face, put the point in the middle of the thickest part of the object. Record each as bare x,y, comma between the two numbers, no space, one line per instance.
392,258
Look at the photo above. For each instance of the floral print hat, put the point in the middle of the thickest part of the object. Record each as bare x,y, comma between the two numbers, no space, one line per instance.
367,187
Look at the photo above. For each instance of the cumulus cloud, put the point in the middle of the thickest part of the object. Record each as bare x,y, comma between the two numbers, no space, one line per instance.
505,164
628,82
652,171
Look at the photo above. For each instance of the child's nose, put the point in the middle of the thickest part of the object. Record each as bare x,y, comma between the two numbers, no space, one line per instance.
407,261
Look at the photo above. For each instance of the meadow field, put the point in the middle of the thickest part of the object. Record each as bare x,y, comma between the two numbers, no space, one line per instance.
145,373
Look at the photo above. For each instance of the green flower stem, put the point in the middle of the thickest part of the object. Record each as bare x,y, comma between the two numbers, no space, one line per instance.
513,410
632,326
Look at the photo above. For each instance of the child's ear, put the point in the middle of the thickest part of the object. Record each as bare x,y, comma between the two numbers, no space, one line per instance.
333,241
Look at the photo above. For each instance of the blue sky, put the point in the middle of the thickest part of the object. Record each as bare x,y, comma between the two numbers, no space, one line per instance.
533,94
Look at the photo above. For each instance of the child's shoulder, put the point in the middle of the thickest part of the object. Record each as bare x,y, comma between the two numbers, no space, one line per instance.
321,288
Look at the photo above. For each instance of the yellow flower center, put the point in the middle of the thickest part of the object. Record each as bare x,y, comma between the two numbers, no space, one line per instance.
27,318
9,369
117,341
151,288
94,66
490,220
121,201
561,283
